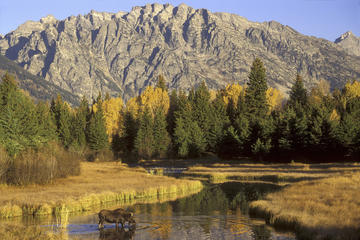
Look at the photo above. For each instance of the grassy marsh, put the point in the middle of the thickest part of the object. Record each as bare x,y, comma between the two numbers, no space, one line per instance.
319,201
97,184
270,172
327,208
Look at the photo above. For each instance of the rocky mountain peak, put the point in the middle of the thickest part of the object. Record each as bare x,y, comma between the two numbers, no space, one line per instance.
349,42
49,19
122,53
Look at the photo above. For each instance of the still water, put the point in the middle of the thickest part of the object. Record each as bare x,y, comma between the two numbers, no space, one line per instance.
219,211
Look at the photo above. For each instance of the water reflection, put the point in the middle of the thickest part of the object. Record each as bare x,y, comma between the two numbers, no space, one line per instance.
117,234
219,211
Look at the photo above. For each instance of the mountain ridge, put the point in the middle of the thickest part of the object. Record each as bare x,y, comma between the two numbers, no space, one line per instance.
122,53
38,88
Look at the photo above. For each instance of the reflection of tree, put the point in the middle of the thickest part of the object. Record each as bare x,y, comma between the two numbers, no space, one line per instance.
240,193
261,232
205,202
116,234
162,230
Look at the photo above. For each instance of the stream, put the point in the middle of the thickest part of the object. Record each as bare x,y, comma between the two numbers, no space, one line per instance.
219,211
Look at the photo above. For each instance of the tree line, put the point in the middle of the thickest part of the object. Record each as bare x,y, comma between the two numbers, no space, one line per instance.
252,121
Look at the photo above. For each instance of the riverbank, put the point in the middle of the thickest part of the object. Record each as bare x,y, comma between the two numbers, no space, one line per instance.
319,201
20,232
286,173
97,184
320,209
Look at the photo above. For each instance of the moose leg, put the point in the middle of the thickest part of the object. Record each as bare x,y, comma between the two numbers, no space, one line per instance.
101,223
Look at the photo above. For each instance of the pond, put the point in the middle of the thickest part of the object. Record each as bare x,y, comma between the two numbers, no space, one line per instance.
219,211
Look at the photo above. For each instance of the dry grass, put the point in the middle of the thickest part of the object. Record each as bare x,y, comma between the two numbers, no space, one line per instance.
326,209
97,184
271,172
20,232
320,201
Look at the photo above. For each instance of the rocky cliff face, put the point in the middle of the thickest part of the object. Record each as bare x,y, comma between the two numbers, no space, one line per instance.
122,53
350,43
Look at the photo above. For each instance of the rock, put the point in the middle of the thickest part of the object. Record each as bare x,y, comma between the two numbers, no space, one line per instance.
123,53
350,43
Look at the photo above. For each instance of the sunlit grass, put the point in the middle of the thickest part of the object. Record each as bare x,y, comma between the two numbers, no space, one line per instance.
20,232
320,201
270,172
97,184
327,208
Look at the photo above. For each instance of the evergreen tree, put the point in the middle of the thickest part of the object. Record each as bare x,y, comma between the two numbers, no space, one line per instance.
259,140
242,129
170,118
201,111
255,98
298,94
81,118
348,129
219,121
97,137
161,83
63,120
230,145
130,131
189,138
22,124
145,139
161,136
7,86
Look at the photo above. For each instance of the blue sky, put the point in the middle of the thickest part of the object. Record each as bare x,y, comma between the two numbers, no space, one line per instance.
321,18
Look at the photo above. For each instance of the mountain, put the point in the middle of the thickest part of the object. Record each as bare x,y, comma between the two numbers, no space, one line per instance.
123,53
38,88
350,43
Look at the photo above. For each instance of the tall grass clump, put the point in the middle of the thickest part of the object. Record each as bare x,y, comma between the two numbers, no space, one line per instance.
42,166
4,164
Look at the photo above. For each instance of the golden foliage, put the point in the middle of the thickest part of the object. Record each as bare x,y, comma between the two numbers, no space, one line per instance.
133,107
154,98
321,90
112,109
334,116
113,116
212,94
274,98
352,89
232,91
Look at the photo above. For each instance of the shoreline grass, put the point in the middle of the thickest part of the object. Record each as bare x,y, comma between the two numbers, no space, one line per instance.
97,184
327,208
319,201
288,173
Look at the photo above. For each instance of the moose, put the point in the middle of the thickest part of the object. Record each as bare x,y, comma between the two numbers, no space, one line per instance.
116,216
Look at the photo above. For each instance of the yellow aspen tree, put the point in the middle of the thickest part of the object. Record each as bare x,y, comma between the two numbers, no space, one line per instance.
274,98
114,121
352,89
321,90
155,98
334,116
232,91
213,94
133,107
